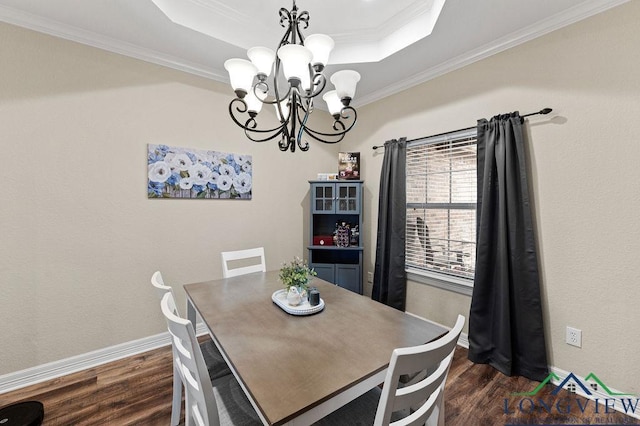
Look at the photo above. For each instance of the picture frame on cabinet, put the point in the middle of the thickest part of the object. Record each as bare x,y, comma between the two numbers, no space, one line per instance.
349,165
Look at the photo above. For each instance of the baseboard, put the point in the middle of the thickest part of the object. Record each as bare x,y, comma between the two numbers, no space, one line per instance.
52,370
63,367
463,340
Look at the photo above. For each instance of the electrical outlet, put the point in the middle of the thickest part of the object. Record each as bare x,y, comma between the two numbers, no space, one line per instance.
369,277
574,337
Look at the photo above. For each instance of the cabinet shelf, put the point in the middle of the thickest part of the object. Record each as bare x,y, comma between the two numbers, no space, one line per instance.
355,248
333,203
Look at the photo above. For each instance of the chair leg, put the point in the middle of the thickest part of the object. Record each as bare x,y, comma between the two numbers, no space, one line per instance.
176,404
188,418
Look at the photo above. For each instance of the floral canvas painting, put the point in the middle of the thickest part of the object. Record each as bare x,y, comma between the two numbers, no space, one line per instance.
189,173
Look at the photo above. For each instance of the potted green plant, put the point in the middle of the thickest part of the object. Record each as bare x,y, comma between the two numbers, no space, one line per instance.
295,276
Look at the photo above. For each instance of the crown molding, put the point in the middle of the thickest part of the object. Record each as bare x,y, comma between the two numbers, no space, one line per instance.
89,38
216,20
395,23
570,16
531,32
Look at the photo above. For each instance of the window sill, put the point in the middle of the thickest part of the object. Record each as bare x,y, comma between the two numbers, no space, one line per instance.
445,282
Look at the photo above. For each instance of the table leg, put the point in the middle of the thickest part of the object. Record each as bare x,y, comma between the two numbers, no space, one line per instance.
191,313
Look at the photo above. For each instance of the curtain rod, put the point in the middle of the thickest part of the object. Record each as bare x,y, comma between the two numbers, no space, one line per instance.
543,111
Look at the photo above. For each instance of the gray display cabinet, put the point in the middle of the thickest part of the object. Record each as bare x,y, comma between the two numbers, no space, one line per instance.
334,203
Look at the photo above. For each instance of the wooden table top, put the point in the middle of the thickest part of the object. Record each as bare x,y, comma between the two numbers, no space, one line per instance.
291,363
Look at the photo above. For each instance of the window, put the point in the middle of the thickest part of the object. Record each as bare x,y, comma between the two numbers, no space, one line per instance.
441,207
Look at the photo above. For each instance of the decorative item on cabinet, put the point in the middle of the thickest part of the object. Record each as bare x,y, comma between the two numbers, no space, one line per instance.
323,240
343,234
355,236
349,165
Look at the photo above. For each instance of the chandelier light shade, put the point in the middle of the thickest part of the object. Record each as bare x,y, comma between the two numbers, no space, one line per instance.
262,58
241,73
333,102
254,101
345,82
295,61
300,62
321,46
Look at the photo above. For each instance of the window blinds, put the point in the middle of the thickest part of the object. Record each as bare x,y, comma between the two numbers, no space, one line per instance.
441,204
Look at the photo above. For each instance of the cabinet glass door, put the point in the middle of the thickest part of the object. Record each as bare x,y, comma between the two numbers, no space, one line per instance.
348,198
323,197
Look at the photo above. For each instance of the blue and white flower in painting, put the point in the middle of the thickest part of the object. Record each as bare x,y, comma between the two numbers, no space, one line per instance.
186,173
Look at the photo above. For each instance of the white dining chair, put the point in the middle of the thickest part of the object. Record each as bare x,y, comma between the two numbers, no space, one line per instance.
207,402
214,361
418,403
239,255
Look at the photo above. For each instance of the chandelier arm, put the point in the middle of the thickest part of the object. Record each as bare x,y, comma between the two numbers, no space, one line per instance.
285,15
339,136
253,129
300,105
251,124
345,111
322,137
293,118
263,86
338,125
315,134
303,122
276,87
304,18
276,90
304,147
287,142
284,40
319,81
283,144
242,108
249,136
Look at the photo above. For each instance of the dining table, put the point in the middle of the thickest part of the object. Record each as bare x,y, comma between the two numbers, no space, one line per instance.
297,368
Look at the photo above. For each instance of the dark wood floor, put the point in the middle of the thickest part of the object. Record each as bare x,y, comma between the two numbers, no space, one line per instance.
137,391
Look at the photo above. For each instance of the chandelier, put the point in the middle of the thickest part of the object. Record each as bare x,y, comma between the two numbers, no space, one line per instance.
302,61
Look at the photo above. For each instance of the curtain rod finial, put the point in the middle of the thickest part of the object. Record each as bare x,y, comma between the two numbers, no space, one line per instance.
545,111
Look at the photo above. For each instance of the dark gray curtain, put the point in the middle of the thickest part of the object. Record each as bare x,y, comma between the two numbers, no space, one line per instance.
390,279
505,322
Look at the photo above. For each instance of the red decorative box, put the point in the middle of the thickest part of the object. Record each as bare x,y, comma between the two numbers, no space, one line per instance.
323,240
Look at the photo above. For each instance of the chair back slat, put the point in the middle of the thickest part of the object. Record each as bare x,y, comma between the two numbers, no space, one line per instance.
158,283
231,256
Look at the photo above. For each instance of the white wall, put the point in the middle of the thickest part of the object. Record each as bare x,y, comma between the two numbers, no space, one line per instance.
585,178
79,239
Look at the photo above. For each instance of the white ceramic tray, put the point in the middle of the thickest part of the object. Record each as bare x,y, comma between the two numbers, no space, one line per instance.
279,297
